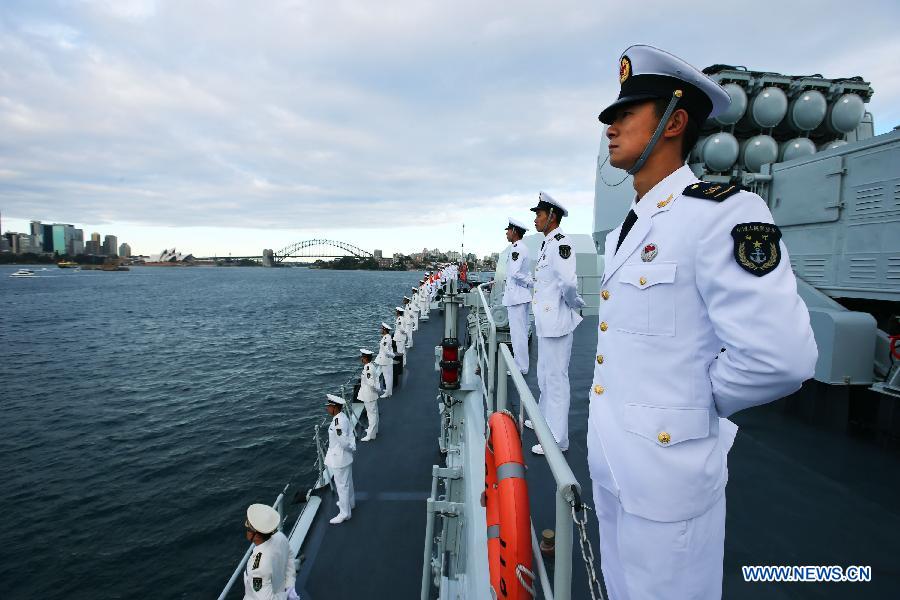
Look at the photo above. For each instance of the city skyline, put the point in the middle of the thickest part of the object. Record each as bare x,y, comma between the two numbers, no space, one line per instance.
230,130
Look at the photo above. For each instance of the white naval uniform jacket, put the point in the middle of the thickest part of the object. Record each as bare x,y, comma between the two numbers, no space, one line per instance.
672,298
385,353
518,278
270,570
556,301
368,392
341,442
400,333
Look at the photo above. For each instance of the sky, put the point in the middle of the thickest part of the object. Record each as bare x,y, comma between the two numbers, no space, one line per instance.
225,126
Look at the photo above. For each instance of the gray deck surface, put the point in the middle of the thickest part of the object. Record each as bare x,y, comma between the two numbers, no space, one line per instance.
797,495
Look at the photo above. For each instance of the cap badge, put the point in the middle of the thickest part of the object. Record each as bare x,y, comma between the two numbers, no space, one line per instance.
624,69
649,252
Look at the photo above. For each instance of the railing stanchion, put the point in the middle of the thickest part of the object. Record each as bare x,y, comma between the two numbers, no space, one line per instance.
501,385
562,566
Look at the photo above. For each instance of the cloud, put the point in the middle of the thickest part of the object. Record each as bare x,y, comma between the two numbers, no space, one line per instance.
301,115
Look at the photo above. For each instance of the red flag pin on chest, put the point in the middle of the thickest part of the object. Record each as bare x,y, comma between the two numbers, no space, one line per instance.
649,252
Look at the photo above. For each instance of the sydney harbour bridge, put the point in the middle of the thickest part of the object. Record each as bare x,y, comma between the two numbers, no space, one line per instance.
307,249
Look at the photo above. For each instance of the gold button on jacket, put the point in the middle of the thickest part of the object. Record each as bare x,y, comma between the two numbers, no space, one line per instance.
603,326
598,389
599,359
605,294
643,281
664,438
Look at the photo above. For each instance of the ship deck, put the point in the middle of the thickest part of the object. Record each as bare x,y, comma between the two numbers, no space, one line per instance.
797,495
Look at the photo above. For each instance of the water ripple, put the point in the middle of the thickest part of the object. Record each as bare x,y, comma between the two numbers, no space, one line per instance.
144,412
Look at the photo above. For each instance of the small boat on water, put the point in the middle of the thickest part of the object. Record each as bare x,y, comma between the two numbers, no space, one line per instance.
23,273
67,264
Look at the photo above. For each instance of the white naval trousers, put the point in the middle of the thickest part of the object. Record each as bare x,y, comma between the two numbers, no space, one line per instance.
372,414
553,379
388,372
343,483
647,560
409,334
518,331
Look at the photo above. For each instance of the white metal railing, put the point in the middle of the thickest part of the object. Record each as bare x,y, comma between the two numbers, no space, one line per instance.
588,292
278,505
497,365
324,477
486,350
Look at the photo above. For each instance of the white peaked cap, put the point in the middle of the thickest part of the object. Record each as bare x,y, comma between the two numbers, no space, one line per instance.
646,73
262,518
399,308
385,325
332,399
516,223
546,201
365,352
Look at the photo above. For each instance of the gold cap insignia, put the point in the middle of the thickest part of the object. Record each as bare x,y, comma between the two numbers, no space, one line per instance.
624,69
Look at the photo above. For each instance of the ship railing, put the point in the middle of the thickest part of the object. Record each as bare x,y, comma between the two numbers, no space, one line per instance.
589,290
486,349
279,506
497,366
324,478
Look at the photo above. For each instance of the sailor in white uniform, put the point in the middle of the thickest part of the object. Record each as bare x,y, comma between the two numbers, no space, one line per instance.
555,304
408,320
517,292
699,318
339,457
270,570
415,308
400,335
368,393
385,360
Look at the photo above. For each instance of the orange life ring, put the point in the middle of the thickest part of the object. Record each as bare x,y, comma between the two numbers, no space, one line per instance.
506,505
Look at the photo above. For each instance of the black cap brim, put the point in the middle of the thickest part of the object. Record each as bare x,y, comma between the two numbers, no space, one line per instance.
609,113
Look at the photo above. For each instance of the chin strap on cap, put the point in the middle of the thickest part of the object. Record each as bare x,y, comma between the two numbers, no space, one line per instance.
676,96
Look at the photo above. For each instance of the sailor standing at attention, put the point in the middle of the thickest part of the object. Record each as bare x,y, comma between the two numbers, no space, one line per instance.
385,360
555,304
517,292
368,394
270,570
408,319
339,457
699,318
400,336
415,306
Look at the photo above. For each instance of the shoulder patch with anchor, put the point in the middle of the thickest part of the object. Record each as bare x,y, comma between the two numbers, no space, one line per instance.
558,236
711,191
257,584
565,251
756,247
515,256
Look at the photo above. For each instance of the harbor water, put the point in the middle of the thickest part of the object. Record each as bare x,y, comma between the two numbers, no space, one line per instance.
143,412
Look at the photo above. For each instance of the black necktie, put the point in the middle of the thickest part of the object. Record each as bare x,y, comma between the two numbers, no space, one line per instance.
626,227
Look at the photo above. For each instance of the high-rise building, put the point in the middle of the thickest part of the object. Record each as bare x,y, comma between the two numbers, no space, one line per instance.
25,244
92,247
37,238
11,242
95,237
377,254
46,238
124,250
77,241
110,245
58,238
